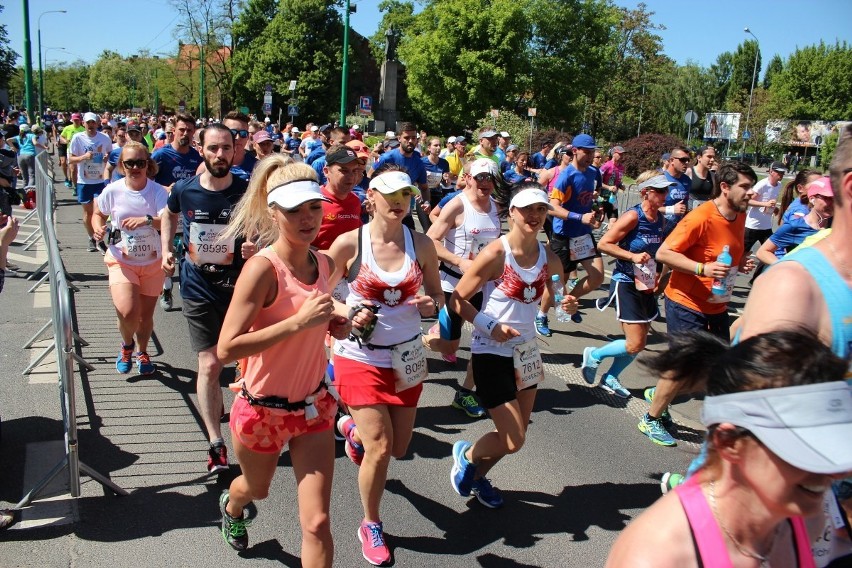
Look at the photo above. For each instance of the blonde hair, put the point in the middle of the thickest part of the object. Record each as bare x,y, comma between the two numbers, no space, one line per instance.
251,217
152,169
646,175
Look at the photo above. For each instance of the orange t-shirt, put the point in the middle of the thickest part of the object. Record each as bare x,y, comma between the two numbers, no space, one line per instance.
700,236
293,367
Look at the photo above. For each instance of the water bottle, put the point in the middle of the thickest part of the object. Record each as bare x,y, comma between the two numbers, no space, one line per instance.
558,294
719,287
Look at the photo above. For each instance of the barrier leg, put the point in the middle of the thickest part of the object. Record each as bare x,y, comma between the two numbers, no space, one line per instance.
102,480
57,469
38,334
82,362
40,358
37,284
38,270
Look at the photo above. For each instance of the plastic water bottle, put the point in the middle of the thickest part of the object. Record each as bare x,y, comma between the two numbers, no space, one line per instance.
719,284
558,294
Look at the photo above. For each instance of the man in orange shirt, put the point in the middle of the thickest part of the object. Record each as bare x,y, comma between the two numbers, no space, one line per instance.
691,252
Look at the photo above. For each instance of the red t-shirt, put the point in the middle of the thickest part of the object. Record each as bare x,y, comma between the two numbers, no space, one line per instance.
338,217
700,236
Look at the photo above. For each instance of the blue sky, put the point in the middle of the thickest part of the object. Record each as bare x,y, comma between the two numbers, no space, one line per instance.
696,31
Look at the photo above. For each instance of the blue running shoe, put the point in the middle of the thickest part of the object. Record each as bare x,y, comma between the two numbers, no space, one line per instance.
541,326
486,493
467,403
590,365
124,361
144,364
655,430
665,417
577,317
461,475
611,385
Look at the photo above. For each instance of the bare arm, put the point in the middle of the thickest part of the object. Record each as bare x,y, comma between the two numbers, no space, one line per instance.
609,241
168,228
766,252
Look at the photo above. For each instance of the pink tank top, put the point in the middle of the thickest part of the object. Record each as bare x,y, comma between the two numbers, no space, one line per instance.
708,536
293,367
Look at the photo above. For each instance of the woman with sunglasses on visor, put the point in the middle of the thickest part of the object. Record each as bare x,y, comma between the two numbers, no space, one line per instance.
276,326
512,272
779,420
379,371
133,205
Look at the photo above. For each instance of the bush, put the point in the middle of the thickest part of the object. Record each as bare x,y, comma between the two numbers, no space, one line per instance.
826,153
643,152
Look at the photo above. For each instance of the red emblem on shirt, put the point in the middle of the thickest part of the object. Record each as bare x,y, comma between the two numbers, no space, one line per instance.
371,287
515,288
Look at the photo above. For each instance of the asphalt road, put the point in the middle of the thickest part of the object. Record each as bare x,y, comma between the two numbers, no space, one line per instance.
584,473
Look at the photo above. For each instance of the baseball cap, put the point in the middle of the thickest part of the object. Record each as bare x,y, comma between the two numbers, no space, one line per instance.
340,154
390,134
490,133
133,127
617,150
528,197
511,147
821,186
90,116
294,129
266,120
325,128
451,140
584,141
658,182
389,182
505,134
460,140
291,194
807,426
76,116
666,156
356,127
392,143
567,149
778,167
360,149
24,128
483,166
261,136
314,128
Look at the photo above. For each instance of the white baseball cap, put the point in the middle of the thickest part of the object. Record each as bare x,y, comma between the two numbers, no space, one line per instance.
527,197
90,116
291,194
483,166
356,127
390,134
294,129
390,182
314,128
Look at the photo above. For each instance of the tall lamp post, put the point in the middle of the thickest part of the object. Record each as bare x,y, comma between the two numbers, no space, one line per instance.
156,88
344,80
753,80
40,70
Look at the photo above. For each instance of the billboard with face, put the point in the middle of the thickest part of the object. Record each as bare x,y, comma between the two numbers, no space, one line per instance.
721,125
801,133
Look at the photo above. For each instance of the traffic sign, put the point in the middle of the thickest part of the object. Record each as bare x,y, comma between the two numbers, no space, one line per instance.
267,108
531,111
293,110
181,105
690,117
292,85
746,135
365,105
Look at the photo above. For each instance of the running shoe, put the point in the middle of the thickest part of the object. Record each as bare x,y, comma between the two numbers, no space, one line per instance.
670,480
577,317
665,417
354,450
144,364
338,435
655,430
373,546
68,183
166,300
462,472
611,385
486,493
93,246
124,362
233,530
467,403
590,365
450,358
541,326
217,458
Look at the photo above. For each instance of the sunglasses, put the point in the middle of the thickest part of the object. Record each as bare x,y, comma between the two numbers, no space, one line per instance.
659,189
483,177
135,164
683,160
240,133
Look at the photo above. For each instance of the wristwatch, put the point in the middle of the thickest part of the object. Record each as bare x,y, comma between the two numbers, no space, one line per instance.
149,220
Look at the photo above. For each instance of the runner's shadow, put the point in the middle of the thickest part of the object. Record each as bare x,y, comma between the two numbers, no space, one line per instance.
491,560
271,550
531,514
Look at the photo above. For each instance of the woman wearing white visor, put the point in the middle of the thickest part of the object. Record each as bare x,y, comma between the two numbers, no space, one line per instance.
779,420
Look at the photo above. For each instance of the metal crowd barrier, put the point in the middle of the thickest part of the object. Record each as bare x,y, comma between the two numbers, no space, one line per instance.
63,342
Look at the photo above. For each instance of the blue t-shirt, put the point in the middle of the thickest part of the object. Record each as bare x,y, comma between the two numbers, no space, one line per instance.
575,189
504,165
447,198
790,235
202,206
796,210
243,171
175,166
512,176
315,154
646,236
435,172
677,193
112,160
319,165
553,162
537,161
499,154
413,164
292,143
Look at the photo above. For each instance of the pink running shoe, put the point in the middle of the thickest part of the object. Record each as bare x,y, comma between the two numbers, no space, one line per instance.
355,451
373,546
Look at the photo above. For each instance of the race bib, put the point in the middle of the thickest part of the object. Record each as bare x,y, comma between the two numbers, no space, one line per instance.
729,288
477,243
409,364
341,291
529,370
93,170
433,179
645,275
205,246
140,244
582,247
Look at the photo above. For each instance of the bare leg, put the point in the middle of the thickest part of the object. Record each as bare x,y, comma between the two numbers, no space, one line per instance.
209,392
313,466
511,420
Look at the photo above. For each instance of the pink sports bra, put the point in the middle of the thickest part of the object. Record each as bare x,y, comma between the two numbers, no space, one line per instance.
709,542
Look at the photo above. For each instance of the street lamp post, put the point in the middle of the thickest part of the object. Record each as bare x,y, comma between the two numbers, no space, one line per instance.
753,80
40,70
156,88
344,80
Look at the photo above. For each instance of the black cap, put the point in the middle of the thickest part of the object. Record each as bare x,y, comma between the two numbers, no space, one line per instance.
340,154
778,167
325,128
392,143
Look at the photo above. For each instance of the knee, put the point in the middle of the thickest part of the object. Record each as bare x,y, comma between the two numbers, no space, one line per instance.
635,347
378,451
515,442
316,525
595,278
259,493
209,368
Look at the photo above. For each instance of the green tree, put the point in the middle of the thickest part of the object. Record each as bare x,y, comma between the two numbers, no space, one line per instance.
776,65
397,15
815,84
721,72
66,86
7,57
675,90
113,83
743,69
464,57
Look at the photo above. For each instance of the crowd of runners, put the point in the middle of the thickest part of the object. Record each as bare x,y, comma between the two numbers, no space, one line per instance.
311,260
